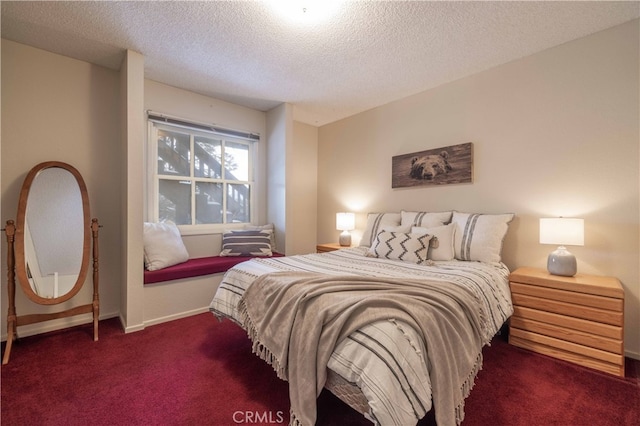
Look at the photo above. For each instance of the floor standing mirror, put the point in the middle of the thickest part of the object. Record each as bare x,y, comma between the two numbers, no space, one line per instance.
49,246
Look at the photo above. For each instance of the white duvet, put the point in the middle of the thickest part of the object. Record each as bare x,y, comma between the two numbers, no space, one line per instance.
385,359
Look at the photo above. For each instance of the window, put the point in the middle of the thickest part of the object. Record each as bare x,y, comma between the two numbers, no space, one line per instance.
201,176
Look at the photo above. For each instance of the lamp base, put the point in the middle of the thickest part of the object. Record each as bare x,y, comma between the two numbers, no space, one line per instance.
345,239
562,262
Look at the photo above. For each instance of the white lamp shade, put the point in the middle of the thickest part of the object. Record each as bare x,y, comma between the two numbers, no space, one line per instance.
562,231
345,221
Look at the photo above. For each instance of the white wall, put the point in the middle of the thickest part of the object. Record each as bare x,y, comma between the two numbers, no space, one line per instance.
58,108
554,134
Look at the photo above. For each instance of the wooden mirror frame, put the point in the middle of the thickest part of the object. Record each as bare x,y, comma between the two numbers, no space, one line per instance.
17,265
21,261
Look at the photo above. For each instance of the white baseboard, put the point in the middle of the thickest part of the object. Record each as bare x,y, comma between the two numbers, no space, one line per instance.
177,316
130,329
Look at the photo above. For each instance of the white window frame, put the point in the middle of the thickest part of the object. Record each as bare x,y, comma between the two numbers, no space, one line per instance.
153,177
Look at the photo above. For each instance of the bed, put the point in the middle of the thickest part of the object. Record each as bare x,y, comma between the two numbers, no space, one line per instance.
385,368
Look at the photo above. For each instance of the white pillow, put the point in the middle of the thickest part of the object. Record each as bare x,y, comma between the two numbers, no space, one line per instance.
425,219
163,245
399,228
375,223
401,246
441,247
267,227
479,236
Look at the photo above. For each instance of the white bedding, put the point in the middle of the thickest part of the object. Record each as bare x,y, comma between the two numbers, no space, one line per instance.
386,359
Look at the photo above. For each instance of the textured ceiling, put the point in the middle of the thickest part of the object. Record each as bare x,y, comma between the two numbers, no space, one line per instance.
367,54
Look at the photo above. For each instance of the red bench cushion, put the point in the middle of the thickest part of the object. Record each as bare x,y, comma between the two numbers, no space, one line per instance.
196,267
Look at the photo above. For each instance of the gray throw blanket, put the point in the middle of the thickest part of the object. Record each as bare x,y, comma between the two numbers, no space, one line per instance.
295,320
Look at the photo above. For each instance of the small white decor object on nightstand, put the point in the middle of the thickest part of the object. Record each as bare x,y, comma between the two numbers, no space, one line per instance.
345,222
563,232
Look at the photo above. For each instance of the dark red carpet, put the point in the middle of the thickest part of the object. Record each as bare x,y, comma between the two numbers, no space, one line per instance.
198,371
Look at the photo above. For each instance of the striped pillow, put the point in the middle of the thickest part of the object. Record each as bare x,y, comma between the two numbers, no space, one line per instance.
479,236
425,219
401,246
246,243
267,227
375,223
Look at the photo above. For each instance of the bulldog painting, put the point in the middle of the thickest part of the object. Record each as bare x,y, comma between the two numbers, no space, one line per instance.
438,166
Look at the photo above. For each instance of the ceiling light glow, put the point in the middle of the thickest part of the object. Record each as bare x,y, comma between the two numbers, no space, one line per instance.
305,11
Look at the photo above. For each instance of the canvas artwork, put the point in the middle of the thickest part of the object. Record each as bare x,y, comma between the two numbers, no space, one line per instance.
438,166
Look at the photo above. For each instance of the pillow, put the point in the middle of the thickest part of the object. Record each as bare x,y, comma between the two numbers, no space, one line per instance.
163,245
401,246
246,243
425,219
375,223
441,245
479,236
399,228
267,227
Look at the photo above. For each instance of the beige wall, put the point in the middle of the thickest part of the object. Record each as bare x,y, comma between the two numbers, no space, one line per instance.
554,134
302,189
132,297
292,160
279,130
57,108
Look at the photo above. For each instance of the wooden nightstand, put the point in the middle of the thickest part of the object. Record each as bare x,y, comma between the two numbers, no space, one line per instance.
323,248
578,319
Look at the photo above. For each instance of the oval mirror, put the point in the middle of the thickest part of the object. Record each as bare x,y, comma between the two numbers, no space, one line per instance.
53,233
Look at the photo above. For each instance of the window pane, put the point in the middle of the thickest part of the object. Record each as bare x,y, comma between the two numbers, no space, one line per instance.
208,202
238,197
174,201
236,161
207,158
173,153
202,178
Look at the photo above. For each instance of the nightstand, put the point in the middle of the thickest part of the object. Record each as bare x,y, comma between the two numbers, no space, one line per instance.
323,248
578,319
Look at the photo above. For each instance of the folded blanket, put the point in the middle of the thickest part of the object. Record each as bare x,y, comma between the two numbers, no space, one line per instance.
295,320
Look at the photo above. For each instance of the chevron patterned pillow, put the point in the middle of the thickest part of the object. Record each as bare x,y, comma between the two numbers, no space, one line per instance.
401,246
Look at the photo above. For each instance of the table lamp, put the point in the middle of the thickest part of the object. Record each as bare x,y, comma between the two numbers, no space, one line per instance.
563,232
345,222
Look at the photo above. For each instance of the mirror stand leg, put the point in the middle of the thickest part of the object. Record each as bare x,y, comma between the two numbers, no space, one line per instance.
12,319
96,295
95,321
11,336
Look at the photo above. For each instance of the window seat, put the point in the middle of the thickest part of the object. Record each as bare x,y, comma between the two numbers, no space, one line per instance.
196,267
